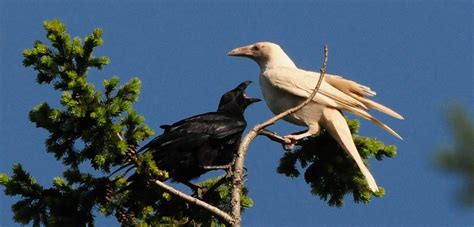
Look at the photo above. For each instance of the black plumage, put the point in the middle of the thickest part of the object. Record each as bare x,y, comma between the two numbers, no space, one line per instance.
188,146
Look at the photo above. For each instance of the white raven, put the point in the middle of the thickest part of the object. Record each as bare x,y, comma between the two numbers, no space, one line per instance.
284,86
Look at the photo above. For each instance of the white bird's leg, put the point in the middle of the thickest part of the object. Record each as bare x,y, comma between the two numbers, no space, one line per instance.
312,130
299,132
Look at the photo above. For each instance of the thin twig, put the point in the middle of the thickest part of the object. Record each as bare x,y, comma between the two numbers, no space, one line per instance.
237,179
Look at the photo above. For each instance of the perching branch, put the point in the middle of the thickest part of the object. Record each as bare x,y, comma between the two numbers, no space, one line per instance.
238,168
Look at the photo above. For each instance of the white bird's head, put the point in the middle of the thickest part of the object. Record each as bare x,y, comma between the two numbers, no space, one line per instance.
266,54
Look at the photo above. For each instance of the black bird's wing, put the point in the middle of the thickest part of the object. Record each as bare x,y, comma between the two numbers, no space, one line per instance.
202,140
196,129
205,139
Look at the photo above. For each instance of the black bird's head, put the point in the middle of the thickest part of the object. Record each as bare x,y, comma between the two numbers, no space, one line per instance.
235,101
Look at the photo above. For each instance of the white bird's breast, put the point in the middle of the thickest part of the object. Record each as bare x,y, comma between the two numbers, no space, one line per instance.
279,100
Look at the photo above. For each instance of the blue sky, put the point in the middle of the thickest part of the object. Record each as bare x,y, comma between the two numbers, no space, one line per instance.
417,56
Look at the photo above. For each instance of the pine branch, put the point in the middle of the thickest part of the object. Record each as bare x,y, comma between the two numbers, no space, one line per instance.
250,136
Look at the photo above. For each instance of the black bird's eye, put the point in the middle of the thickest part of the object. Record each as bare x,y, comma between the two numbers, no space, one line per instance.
255,48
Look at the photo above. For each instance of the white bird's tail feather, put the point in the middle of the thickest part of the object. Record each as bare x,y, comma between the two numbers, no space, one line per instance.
360,93
364,114
335,123
377,106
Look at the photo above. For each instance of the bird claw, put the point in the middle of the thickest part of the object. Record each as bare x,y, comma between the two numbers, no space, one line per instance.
293,140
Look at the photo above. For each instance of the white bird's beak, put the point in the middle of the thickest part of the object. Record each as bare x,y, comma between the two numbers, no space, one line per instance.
245,51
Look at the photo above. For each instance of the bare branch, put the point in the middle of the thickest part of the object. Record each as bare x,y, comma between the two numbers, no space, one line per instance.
237,179
212,209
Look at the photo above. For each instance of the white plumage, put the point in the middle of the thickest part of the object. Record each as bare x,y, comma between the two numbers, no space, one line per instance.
284,86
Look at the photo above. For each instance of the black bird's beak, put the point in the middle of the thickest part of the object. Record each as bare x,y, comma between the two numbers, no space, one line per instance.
253,100
250,100
242,86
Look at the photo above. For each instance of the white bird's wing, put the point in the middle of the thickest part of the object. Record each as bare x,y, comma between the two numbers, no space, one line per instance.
360,92
302,83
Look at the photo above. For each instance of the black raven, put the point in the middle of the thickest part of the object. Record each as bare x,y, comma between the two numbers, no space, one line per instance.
193,146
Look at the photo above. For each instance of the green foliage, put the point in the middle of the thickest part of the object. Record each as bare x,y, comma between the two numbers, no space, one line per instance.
94,119
329,171
459,157
61,205
91,126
